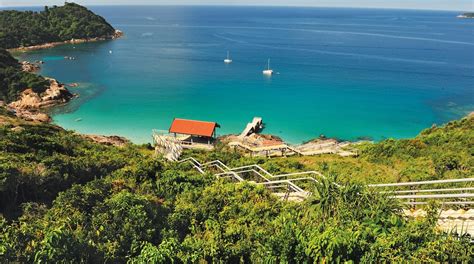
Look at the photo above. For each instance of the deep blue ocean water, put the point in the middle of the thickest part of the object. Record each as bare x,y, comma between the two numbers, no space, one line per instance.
345,73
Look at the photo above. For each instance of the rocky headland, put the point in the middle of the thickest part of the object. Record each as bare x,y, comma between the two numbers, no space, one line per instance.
30,104
27,66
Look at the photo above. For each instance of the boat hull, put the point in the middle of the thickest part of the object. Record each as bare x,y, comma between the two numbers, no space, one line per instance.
267,72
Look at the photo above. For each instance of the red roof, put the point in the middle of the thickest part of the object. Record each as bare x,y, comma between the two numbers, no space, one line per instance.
193,127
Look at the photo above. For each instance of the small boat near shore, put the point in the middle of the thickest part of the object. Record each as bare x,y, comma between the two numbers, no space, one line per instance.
228,60
268,71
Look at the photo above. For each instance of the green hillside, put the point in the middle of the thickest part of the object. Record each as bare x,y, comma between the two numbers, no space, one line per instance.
13,80
54,24
66,199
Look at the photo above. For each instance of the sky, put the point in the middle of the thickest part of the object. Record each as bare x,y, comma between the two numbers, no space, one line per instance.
458,5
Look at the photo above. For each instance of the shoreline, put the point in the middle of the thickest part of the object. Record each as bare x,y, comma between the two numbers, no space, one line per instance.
49,45
31,106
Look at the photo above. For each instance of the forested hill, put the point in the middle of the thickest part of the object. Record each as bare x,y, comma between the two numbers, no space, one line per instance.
65,199
71,21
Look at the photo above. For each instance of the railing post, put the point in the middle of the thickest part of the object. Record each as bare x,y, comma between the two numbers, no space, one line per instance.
287,194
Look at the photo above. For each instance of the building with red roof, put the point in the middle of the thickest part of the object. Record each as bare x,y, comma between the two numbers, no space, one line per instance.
198,131
193,127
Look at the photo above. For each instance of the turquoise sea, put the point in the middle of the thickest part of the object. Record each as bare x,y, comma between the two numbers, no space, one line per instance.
345,73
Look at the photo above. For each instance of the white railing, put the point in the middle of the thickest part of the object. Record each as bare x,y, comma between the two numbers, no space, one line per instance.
421,182
270,181
416,195
421,192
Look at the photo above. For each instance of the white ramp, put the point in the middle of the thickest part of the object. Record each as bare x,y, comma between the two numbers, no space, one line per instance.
252,127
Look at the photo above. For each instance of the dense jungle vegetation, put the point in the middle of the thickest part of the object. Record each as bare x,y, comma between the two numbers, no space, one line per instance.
66,199
28,28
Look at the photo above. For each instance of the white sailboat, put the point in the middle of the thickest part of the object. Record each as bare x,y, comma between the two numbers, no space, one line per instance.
268,71
228,60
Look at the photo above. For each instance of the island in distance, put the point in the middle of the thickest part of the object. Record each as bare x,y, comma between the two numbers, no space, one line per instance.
466,15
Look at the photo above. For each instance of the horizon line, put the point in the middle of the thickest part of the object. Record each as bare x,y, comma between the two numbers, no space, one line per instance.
252,5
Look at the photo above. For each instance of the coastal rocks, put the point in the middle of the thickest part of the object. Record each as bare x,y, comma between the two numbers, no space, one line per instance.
270,145
108,140
254,140
28,100
117,34
56,94
32,115
327,146
27,66
29,105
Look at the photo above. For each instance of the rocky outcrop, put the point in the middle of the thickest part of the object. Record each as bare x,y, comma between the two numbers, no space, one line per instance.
30,104
56,94
27,66
108,140
117,34
32,115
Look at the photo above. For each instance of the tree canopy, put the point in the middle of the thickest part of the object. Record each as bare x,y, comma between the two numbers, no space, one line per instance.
71,21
